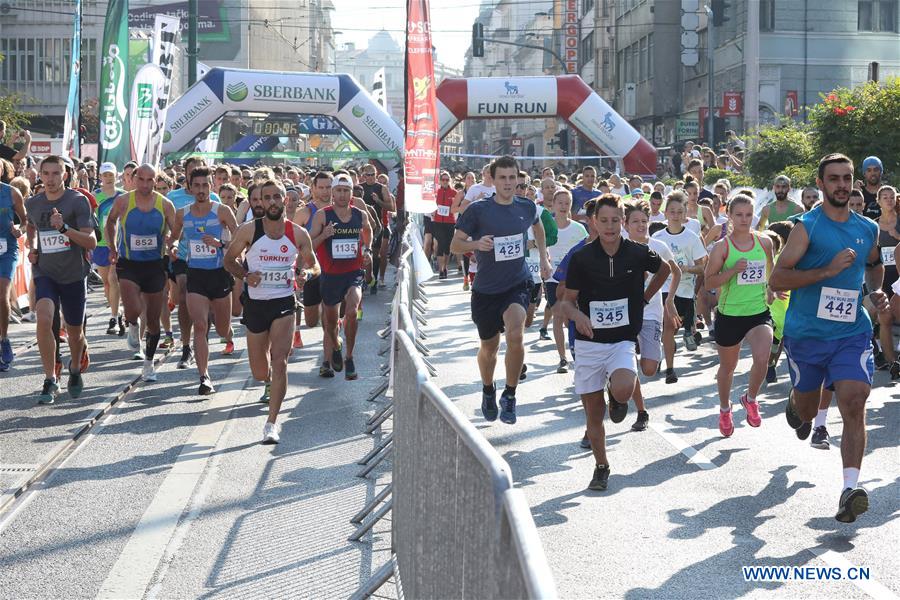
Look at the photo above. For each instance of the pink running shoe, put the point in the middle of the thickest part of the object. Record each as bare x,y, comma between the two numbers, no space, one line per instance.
752,408
726,423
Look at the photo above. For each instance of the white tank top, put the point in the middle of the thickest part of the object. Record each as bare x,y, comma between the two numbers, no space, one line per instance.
275,260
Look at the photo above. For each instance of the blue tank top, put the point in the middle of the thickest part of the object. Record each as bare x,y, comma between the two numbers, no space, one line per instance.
312,212
832,308
141,237
9,245
199,255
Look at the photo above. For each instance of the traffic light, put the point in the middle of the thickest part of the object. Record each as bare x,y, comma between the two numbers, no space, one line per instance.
561,140
719,8
477,40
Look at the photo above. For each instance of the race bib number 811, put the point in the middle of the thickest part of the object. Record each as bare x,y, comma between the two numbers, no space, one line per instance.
838,305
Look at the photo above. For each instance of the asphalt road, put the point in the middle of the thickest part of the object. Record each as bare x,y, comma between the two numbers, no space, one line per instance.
670,526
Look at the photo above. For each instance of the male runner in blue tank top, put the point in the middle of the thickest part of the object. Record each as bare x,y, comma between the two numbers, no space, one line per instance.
827,332
11,205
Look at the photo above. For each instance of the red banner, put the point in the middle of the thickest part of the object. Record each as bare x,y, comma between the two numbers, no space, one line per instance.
732,105
791,103
421,158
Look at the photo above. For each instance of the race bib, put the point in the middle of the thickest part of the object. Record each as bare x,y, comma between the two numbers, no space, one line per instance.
201,250
887,257
277,278
344,248
606,314
754,274
3,246
534,269
443,211
53,242
838,305
143,242
509,247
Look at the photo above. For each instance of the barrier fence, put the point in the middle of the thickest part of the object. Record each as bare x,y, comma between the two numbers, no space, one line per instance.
459,528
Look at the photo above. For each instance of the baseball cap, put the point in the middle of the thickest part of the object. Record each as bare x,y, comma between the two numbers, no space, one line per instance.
343,180
107,167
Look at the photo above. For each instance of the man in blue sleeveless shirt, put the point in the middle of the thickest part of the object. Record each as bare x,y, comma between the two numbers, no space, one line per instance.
827,332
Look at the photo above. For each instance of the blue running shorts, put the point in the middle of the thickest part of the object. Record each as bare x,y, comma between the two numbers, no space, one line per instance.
813,362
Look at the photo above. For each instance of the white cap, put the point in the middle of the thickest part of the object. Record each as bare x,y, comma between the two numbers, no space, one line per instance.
107,167
343,180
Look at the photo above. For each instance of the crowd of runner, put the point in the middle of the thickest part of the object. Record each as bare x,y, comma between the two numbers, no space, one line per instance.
625,266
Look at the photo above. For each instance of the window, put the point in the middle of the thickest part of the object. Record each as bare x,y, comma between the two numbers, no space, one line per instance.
605,74
877,15
767,15
604,8
88,59
650,56
587,48
644,71
620,72
586,6
635,62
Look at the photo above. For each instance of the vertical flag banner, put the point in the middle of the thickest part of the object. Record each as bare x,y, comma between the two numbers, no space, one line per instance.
421,159
115,143
149,84
162,54
379,93
71,135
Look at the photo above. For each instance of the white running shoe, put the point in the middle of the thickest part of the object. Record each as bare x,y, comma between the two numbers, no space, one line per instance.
134,336
149,372
271,433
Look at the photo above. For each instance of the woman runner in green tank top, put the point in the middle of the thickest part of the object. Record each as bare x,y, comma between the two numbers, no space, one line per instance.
739,266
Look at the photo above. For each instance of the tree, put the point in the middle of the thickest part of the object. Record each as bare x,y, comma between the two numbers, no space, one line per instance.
90,121
15,118
860,122
779,147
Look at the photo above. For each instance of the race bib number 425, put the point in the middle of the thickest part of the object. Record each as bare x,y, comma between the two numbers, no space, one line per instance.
53,242
754,274
509,247
838,305
606,314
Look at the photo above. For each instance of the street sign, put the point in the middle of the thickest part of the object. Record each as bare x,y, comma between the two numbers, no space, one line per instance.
686,129
515,142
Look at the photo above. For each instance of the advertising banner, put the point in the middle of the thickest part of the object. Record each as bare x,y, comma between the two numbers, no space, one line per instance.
162,54
422,147
606,128
513,97
291,92
148,85
571,36
71,135
196,110
379,91
115,140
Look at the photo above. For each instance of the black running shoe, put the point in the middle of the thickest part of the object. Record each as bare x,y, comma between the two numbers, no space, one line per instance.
792,417
349,370
507,409
524,372
206,387
121,324
853,503
585,442
642,419
771,375
820,438
617,411
600,479
542,333
671,377
881,362
563,366
113,328
698,338
186,356
75,384
803,431
895,370
325,370
337,360
489,405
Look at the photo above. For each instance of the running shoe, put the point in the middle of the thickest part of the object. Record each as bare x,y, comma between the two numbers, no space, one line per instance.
139,355
75,384
804,429
206,387
49,392
229,348
671,377
298,340
466,284
771,375
113,327
325,370
881,362
524,372
793,419
134,336
643,419
271,433
489,405
585,442
187,356
350,370
6,351
63,333
698,338
617,410
507,409
820,438
29,317
85,359
600,479
4,367
752,408
337,360
542,333
726,423
264,399
148,373
895,370
690,343
853,503
121,323
563,366
168,341
700,324
442,275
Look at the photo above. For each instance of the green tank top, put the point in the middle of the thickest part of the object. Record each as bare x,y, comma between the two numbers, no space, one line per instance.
744,294
791,210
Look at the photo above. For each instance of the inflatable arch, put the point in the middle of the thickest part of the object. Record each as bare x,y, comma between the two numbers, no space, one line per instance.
566,96
337,96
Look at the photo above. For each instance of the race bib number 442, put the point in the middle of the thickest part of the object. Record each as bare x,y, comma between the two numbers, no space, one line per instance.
606,314
509,247
838,305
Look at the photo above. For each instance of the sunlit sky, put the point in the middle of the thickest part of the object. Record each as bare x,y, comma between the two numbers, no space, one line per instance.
451,22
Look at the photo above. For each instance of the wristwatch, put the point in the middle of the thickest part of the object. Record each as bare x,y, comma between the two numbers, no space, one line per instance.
63,229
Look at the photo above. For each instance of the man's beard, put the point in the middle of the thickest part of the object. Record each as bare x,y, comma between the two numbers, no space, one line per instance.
258,212
833,201
781,196
873,180
275,216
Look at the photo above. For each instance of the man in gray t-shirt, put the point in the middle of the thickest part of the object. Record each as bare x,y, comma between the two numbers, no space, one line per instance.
60,231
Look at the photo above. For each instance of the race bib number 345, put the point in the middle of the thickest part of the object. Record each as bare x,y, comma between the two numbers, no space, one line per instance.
838,305
606,314
509,247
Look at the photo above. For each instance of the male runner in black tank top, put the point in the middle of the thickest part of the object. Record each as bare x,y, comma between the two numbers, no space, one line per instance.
377,196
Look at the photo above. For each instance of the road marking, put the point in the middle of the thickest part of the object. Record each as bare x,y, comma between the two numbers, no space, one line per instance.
133,571
694,456
869,586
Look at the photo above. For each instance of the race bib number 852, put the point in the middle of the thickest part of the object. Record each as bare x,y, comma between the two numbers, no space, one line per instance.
143,242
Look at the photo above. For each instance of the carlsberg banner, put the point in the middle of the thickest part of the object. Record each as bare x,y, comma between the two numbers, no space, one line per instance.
115,140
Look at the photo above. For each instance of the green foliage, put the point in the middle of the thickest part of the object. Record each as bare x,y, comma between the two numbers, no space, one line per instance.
710,176
801,175
860,122
15,118
779,147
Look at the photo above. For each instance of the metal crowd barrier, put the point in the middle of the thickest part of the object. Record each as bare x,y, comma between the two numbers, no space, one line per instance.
459,528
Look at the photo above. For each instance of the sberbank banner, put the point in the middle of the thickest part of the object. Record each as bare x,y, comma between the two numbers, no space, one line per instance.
304,94
191,114
115,139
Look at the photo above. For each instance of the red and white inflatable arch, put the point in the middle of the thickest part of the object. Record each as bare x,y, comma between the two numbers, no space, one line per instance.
566,96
